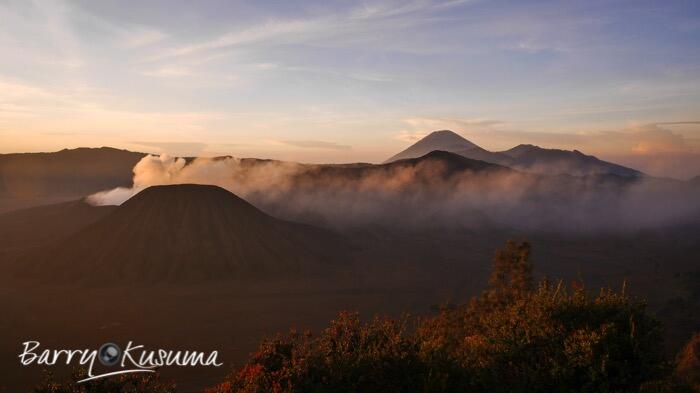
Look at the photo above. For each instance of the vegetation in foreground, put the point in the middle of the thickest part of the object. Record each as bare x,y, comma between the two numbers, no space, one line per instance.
517,336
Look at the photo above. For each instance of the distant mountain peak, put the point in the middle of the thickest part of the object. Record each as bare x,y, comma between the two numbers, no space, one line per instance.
447,136
521,149
525,157
444,140
446,133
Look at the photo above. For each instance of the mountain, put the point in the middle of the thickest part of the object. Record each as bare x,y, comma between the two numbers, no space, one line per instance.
528,158
451,162
425,174
554,161
28,229
449,141
695,181
187,233
39,178
423,167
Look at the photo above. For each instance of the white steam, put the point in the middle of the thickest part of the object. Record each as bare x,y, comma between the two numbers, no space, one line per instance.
226,172
425,193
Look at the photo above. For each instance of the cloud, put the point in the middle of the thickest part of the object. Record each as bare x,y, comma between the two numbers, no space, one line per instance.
178,149
266,31
358,76
358,23
60,32
140,38
645,139
169,72
310,144
657,150
422,126
652,139
226,172
455,124
411,136
424,193
390,9
681,166
14,111
78,109
368,77
11,89
677,123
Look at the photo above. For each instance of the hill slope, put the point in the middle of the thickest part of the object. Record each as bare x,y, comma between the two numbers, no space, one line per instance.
24,230
30,179
554,161
188,232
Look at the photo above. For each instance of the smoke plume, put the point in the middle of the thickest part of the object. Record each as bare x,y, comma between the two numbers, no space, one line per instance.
427,193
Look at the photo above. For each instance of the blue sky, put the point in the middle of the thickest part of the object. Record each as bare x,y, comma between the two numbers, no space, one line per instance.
339,81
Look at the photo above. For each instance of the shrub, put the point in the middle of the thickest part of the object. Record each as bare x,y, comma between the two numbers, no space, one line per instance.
349,356
512,338
550,340
688,363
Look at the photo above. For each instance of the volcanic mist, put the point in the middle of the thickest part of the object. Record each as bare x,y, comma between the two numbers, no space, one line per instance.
439,189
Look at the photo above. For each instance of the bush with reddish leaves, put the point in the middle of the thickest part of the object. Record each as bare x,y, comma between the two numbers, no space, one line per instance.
515,337
349,356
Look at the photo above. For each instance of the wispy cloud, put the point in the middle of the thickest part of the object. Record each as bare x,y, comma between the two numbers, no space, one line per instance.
85,109
653,139
390,9
311,144
266,31
169,72
357,76
455,124
11,89
376,74
355,23
411,136
677,123
173,148
141,38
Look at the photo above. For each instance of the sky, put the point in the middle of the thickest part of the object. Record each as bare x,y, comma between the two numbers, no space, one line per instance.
347,81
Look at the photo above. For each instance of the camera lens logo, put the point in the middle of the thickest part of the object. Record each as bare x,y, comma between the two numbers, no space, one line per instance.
109,354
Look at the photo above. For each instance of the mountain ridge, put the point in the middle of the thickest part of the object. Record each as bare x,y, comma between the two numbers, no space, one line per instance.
525,157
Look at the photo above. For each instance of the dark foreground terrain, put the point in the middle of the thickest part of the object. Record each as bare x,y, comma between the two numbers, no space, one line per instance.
198,317
419,272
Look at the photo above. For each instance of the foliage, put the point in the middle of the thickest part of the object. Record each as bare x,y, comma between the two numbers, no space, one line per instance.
551,340
512,338
349,356
511,277
688,363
